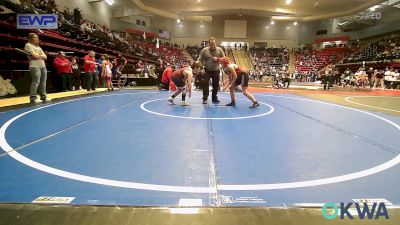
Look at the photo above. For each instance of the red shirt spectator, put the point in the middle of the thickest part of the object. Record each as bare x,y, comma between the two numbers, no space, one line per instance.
90,67
62,64
139,65
166,76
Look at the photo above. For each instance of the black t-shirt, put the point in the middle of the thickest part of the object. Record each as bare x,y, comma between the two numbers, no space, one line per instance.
380,75
370,73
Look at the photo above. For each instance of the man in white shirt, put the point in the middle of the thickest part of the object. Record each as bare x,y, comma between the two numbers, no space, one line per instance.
388,78
396,79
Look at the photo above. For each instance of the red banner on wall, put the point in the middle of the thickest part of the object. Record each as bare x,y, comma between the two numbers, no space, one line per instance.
148,34
331,39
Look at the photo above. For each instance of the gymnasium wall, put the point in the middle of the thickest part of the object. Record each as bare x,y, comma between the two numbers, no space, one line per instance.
98,12
190,32
258,29
376,30
130,16
121,25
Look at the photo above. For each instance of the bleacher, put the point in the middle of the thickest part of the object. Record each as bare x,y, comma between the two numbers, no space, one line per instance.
194,51
271,58
70,37
313,60
379,50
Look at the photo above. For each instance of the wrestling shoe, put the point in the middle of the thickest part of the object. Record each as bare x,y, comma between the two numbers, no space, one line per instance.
255,105
184,104
171,100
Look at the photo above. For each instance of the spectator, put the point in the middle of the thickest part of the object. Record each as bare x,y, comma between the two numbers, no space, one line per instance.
328,73
120,66
37,68
114,67
139,67
159,69
166,82
388,78
379,79
396,79
90,71
370,74
100,69
76,75
107,73
64,70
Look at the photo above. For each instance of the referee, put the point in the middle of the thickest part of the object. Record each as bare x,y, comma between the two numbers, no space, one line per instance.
209,57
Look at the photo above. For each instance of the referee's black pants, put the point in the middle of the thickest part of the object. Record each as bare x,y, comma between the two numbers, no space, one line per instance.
214,75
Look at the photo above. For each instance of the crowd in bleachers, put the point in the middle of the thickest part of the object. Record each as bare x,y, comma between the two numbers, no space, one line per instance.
310,65
384,78
310,60
381,50
71,24
194,51
133,44
78,35
268,62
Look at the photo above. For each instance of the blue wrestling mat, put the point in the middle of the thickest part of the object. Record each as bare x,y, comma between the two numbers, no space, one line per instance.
135,148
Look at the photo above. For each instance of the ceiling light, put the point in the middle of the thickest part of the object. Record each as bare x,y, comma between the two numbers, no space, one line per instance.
110,2
272,22
178,20
180,25
287,28
266,27
288,2
198,0
295,23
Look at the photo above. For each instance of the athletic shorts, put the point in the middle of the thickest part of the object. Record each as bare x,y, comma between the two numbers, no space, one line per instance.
242,79
178,81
